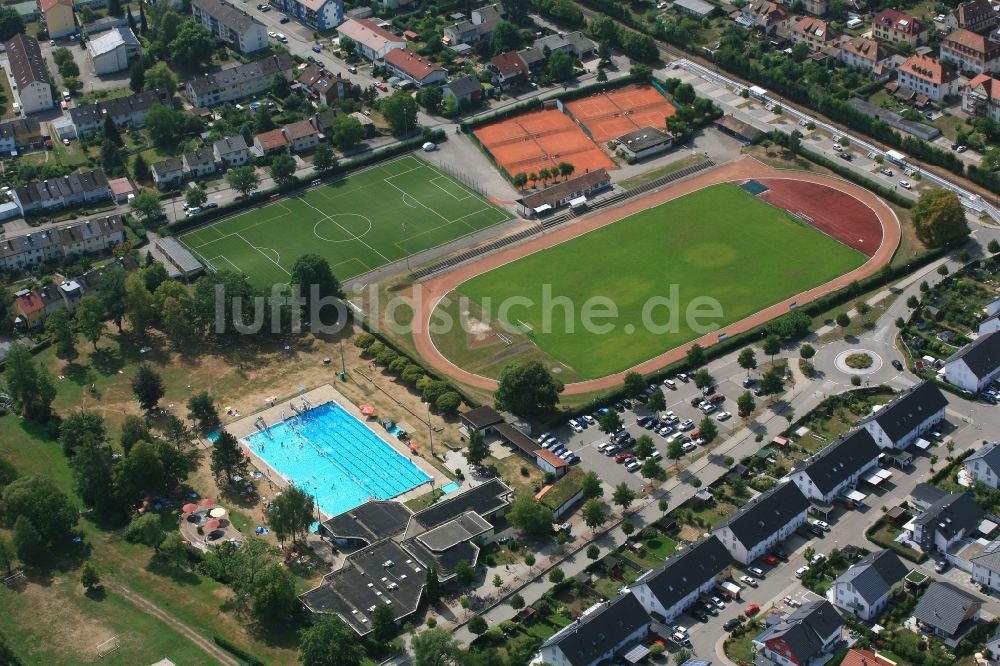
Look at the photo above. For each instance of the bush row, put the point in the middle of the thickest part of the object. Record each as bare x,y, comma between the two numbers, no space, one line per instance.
245,657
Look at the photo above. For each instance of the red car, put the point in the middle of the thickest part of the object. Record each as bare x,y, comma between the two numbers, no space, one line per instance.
383,87
623,456
752,610
770,560
717,398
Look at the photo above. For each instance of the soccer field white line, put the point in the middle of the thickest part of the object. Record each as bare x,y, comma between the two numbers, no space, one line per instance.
433,181
277,204
357,238
262,254
230,262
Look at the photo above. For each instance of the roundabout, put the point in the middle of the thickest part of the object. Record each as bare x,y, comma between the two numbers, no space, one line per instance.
858,362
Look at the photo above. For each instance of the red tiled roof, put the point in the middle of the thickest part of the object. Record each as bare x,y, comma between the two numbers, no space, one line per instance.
990,85
273,139
865,658
121,186
46,5
30,303
551,458
929,69
969,40
891,19
509,64
815,28
367,33
412,64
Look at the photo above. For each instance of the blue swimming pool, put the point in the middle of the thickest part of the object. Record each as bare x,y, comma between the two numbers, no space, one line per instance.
336,458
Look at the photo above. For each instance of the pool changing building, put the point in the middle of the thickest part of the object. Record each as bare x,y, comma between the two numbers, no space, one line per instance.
401,547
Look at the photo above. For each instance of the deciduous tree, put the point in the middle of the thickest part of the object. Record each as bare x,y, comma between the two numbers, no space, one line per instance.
526,389
939,218
291,514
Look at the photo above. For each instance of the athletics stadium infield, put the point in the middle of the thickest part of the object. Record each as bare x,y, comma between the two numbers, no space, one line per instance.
756,269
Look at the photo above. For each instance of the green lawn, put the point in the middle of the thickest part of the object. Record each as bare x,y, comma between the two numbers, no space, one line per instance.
720,242
360,223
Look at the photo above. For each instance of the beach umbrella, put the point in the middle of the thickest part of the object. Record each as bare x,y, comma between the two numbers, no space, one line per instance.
189,507
367,410
208,501
271,399
213,524
217,512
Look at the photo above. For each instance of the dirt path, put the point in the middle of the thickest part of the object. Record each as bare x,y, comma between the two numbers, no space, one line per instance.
432,290
149,607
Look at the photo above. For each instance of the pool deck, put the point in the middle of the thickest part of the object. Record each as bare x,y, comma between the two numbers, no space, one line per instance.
245,427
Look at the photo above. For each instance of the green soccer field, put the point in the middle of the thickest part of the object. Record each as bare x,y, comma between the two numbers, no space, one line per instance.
719,242
360,223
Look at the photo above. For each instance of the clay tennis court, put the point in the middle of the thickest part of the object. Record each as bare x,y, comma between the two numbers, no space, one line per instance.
843,217
610,114
541,139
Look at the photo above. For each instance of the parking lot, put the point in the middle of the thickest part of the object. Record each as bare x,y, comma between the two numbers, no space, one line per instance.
585,443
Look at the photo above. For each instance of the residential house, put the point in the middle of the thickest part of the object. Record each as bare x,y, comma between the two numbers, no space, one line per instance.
810,633
573,43
837,467
58,15
466,90
945,522
367,124
231,25
121,189
72,190
113,51
974,15
947,612
533,58
21,250
508,70
34,88
970,52
21,134
268,143
865,589
815,7
28,305
199,163
975,365
857,657
814,33
317,14
560,194
231,151
302,136
325,87
671,588
993,647
986,566
912,413
603,631
413,67
895,27
763,522
989,325
130,110
983,466
981,97
323,121
238,82
764,15
371,42
168,173
478,28
863,53
926,75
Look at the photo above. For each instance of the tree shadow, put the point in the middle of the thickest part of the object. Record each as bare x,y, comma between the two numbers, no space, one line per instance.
107,360
157,566
78,374
96,593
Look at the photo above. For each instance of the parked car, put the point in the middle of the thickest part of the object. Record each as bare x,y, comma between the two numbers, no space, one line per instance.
589,419
748,382
816,529
699,615
846,156
748,581
756,571
780,554
284,19
905,184
688,447
575,425
695,401
886,172
801,571
717,398
683,377
543,437
822,524
718,603
723,416
633,465
941,566
687,424
818,558
752,610
317,48
731,623
794,603
622,457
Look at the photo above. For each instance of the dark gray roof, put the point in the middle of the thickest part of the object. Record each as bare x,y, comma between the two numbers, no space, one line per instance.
445,561
168,165
54,188
766,514
26,62
265,68
464,85
804,630
450,534
643,138
989,454
485,499
230,144
945,606
908,410
370,521
232,17
590,637
840,460
482,417
119,106
982,355
531,55
924,494
951,514
686,571
875,575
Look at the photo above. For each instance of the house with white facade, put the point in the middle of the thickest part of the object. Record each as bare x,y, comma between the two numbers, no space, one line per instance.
986,566
914,412
671,588
983,466
371,41
975,365
199,163
926,75
413,67
807,635
981,97
602,632
113,51
231,25
863,53
34,87
231,151
948,520
836,467
239,82
970,52
130,110
77,188
865,589
763,522
168,173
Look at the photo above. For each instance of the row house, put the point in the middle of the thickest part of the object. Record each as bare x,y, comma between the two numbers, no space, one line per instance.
34,87
671,588
131,110
813,32
763,522
975,365
239,82
231,24
974,15
970,52
926,75
914,412
837,467
598,635
21,134
895,27
72,190
82,237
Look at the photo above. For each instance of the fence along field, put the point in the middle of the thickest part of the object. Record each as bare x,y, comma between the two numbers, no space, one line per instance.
360,223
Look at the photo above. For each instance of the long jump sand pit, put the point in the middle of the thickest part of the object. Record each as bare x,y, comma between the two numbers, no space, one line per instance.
541,139
610,114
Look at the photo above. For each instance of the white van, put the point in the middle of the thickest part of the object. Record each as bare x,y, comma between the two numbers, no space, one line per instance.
670,384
